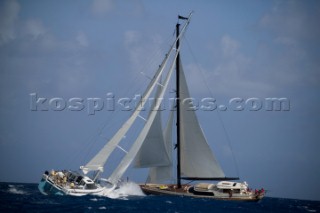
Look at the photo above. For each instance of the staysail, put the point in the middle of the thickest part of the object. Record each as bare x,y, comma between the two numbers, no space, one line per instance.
163,173
153,151
197,159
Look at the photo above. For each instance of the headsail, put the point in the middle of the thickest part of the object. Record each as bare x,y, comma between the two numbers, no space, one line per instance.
162,173
98,161
126,161
197,160
153,151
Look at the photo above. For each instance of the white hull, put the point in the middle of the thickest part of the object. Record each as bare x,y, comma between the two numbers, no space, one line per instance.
50,185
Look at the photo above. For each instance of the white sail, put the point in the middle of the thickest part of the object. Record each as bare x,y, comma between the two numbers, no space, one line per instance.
126,161
162,173
197,159
153,151
98,161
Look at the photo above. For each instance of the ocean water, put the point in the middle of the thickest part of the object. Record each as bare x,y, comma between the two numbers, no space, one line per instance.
26,198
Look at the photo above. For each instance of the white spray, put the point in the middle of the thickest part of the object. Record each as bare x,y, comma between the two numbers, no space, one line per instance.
125,189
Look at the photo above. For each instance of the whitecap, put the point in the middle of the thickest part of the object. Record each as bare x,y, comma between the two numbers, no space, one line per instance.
130,189
15,190
125,189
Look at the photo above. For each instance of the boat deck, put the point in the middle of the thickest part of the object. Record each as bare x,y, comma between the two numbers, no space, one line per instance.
171,189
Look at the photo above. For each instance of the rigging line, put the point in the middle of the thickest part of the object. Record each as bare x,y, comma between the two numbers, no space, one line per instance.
103,126
108,122
219,116
91,141
125,151
76,156
136,83
142,118
152,59
190,182
148,77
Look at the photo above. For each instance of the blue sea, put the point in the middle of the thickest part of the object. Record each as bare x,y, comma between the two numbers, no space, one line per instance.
26,198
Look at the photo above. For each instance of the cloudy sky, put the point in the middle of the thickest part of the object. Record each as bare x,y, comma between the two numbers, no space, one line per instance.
233,49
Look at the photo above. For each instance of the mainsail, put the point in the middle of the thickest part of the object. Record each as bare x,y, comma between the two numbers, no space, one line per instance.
197,160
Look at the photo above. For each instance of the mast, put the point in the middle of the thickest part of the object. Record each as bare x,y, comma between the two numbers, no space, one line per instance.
178,107
207,160
178,95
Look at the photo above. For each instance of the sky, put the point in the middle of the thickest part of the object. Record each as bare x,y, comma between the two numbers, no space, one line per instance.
233,50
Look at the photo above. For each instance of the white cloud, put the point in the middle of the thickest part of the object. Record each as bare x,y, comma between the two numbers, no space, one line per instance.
131,37
34,28
101,7
138,8
62,63
233,73
82,39
229,45
144,50
132,43
294,19
286,41
294,28
286,59
8,17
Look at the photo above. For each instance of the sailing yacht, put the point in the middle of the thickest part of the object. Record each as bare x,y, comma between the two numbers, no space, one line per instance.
153,148
195,160
88,180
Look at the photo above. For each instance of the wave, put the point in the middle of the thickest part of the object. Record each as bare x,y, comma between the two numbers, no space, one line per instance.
16,189
125,190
